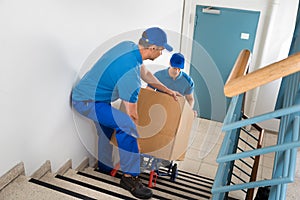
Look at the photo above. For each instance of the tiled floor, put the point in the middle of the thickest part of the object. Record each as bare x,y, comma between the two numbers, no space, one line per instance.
205,141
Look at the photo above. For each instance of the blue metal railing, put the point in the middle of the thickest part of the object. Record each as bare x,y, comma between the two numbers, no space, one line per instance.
285,149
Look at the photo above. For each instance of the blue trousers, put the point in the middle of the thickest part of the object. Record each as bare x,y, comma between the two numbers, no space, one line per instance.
107,119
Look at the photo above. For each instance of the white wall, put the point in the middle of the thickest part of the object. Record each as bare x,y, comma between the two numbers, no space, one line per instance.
273,38
278,40
44,46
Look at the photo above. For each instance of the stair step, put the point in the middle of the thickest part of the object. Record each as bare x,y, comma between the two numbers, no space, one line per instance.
21,189
89,184
113,190
13,173
52,179
90,172
183,188
187,177
164,187
192,176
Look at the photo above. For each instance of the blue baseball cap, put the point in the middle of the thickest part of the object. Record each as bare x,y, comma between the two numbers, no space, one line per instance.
157,37
177,60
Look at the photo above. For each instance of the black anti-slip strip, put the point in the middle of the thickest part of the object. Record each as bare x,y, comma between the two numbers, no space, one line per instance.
185,172
186,183
93,187
193,180
193,177
60,189
114,183
118,175
201,183
177,194
165,190
191,174
177,188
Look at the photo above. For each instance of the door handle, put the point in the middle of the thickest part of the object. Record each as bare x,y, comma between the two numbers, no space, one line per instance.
210,10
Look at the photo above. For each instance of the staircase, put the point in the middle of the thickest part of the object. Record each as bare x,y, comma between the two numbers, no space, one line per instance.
284,162
85,182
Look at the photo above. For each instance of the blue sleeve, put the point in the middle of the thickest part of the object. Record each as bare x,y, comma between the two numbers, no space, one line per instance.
190,89
129,85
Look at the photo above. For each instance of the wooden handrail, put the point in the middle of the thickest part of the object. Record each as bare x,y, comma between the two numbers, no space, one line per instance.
240,66
238,83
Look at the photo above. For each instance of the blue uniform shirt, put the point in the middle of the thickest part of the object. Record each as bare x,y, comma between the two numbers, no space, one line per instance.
183,83
115,75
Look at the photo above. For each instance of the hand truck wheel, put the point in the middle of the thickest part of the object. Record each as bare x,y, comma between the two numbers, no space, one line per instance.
174,172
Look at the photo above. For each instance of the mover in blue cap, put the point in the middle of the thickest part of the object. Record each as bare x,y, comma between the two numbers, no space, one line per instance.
177,80
117,75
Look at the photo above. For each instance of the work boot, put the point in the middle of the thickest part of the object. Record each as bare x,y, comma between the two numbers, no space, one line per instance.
103,171
103,168
136,187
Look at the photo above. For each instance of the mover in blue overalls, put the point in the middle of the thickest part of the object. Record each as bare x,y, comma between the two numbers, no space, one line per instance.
117,75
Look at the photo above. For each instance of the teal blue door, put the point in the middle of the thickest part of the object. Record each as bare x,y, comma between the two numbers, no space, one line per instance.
219,36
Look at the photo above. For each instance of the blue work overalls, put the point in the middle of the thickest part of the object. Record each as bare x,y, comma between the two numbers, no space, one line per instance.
107,119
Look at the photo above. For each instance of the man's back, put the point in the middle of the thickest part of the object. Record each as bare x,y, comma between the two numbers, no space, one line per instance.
115,75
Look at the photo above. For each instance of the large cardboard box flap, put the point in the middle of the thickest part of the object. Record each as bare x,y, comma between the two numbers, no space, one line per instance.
164,125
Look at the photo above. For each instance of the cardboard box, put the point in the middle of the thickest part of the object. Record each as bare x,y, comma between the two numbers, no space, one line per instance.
164,125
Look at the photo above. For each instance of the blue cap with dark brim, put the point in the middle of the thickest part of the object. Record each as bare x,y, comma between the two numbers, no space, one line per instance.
157,37
177,60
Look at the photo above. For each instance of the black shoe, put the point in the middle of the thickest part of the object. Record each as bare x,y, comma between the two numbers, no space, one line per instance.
103,171
136,187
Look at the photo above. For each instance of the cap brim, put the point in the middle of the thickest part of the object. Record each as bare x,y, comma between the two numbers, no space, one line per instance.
178,66
168,47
